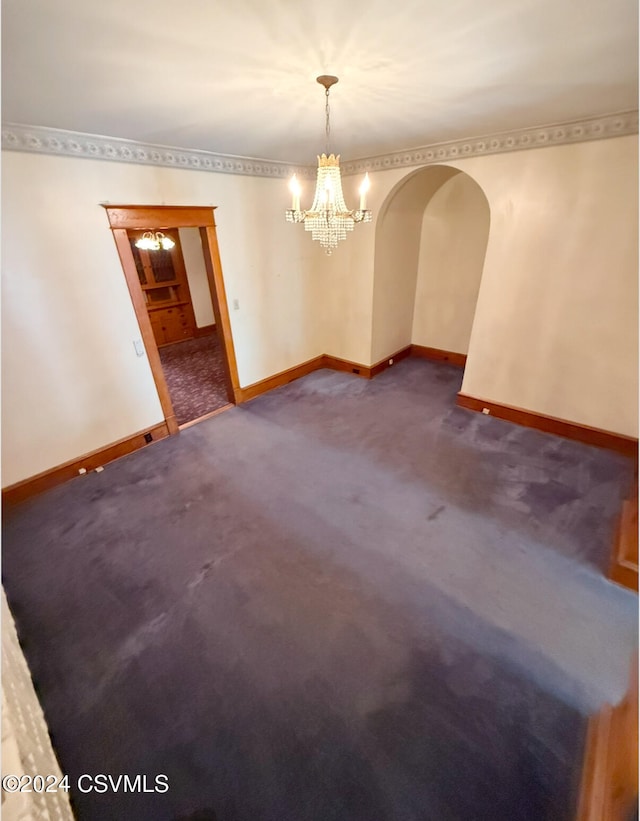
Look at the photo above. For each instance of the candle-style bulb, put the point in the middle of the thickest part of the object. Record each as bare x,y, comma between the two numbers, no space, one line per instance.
294,187
363,192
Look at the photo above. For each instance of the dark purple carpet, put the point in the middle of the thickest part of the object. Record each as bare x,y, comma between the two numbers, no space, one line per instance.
346,600
194,370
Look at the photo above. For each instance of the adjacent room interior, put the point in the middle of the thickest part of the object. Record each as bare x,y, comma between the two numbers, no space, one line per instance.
180,309
320,505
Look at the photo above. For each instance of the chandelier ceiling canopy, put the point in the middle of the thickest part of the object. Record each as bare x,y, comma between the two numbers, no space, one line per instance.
328,219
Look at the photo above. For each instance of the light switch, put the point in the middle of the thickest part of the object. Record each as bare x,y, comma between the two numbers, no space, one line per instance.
236,304
139,347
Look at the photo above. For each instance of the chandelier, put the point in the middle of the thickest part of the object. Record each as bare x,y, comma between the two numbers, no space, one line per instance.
154,241
328,219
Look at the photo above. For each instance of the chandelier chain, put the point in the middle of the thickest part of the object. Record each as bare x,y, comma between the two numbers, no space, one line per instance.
327,127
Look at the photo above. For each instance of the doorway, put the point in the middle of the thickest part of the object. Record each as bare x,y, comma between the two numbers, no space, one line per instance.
178,294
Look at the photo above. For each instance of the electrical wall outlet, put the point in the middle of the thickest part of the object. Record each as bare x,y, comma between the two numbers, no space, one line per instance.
139,347
486,411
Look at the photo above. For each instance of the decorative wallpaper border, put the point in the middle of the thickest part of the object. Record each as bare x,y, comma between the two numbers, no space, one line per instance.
41,140
593,128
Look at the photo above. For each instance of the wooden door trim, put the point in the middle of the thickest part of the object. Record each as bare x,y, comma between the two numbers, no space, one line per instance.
150,217
210,250
123,218
137,297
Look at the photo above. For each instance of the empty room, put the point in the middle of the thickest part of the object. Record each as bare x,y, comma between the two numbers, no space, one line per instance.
319,411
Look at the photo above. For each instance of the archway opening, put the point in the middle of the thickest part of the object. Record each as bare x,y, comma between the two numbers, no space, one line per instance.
431,240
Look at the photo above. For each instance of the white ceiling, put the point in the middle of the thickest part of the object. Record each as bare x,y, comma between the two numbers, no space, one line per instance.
238,76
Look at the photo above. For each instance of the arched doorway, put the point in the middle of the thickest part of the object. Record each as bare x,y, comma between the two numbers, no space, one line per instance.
431,240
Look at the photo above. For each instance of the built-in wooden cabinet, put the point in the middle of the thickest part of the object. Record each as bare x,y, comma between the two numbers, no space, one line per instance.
163,279
172,324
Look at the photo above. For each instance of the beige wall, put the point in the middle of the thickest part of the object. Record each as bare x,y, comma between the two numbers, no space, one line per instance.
197,276
556,325
453,241
348,291
71,382
555,328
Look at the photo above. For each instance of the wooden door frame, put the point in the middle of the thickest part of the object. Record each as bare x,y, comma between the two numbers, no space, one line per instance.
123,218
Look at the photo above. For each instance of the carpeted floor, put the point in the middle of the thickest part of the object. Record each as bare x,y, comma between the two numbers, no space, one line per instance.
347,600
194,370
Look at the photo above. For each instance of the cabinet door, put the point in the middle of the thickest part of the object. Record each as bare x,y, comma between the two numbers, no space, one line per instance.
172,325
157,267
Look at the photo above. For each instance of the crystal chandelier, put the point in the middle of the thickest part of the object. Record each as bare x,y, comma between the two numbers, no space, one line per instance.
328,219
151,241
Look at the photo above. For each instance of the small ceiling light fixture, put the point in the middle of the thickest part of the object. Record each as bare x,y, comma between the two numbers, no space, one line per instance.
328,219
154,241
